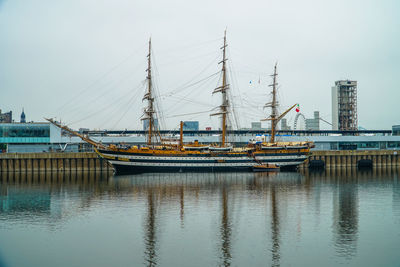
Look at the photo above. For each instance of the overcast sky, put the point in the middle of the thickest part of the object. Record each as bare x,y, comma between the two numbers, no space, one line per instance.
84,61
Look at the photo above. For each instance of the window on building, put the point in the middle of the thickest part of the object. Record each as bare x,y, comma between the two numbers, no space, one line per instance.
347,146
366,145
393,145
334,146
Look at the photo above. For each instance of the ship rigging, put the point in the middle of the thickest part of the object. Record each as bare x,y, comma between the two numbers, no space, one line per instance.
167,155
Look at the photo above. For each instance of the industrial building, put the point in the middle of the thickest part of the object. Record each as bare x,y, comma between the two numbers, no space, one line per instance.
284,125
313,124
344,105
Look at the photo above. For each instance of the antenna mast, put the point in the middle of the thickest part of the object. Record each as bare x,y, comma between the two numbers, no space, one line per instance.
149,111
225,104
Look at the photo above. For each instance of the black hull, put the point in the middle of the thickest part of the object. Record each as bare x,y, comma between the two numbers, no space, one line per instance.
125,162
123,169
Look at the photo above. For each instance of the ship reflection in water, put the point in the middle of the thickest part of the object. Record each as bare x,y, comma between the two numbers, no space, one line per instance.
201,219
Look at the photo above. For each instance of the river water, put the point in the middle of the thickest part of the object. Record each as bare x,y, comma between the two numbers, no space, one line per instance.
327,218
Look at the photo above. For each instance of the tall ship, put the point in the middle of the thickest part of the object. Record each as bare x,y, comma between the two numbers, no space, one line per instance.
162,155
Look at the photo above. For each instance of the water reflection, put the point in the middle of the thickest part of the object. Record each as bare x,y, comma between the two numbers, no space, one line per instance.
182,205
396,198
150,238
345,216
55,198
345,183
225,230
44,197
275,228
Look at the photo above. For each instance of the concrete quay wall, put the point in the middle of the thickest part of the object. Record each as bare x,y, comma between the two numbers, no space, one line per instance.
59,162
353,158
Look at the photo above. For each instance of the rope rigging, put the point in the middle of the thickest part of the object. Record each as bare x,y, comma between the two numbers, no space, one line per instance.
181,97
92,84
110,105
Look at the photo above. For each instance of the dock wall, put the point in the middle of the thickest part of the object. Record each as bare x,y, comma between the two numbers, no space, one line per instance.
53,162
90,162
353,158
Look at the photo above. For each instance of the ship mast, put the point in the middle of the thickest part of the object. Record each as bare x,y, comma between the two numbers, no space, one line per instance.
274,118
225,104
149,111
274,106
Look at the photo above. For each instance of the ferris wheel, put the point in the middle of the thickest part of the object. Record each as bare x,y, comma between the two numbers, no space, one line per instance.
301,124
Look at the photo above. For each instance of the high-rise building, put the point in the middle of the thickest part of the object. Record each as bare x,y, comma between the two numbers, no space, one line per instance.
344,105
6,117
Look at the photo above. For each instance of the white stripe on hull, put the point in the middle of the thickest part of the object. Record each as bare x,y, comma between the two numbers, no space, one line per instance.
160,159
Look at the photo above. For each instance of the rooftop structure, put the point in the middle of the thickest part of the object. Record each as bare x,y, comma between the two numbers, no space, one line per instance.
23,120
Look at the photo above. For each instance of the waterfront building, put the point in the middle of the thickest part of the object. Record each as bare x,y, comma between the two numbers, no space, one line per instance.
313,124
45,137
396,130
344,105
30,137
23,120
6,117
190,125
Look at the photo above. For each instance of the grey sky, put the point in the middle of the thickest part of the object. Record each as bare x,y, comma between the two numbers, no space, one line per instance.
84,61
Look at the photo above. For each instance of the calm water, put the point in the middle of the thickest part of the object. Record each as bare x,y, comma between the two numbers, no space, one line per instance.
184,219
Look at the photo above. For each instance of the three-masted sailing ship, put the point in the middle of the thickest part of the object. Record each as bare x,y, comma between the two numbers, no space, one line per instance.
159,156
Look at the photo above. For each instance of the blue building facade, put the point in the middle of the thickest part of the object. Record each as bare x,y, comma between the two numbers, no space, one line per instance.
24,133
190,125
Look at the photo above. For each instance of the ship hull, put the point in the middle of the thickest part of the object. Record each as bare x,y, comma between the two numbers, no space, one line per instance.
125,162
126,169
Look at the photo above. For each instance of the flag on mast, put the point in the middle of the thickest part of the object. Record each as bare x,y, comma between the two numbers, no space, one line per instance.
298,108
